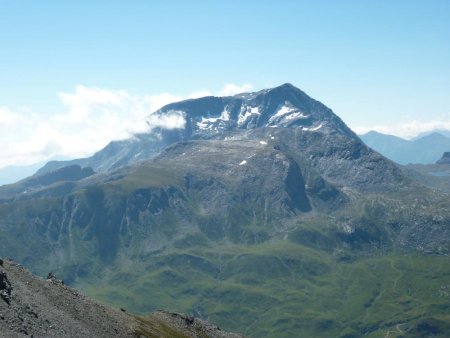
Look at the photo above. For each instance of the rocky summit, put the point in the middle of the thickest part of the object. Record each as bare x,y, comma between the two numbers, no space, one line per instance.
261,212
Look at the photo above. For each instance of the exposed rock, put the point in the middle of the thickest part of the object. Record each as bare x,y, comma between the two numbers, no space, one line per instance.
445,159
52,278
192,326
5,287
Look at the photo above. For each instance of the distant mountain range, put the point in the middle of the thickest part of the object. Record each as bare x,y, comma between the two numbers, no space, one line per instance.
426,149
11,174
264,213
444,132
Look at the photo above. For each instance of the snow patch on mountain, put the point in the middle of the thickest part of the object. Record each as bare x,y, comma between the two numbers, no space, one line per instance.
246,113
281,112
212,122
313,128
286,112
297,115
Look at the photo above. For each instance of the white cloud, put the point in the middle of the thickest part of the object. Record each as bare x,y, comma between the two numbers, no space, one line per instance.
406,130
160,100
93,117
7,117
200,93
171,120
233,89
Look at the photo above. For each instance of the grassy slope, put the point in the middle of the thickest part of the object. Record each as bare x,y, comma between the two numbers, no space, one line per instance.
282,289
306,283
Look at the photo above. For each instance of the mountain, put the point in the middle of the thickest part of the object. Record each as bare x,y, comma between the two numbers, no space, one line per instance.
215,117
426,149
265,214
444,132
11,174
34,307
57,182
436,175
14,173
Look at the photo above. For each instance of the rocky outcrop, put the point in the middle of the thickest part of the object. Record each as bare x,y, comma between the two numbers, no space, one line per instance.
190,326
445,159
5,287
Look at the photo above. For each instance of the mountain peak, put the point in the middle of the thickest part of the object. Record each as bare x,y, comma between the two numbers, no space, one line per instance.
209,117
435,136
278,107
286,90
287,86
289,90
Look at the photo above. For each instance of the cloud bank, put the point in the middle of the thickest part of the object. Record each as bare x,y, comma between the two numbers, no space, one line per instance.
91,118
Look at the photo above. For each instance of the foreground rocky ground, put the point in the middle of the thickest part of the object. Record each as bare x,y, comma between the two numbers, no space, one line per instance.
33,307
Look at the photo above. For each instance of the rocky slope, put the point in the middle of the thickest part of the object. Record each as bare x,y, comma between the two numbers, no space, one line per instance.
34,307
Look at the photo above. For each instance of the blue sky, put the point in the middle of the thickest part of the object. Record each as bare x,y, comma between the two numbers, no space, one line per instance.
377,64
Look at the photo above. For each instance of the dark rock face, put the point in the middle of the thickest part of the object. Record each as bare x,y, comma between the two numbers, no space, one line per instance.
5,287
445,159
67,173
